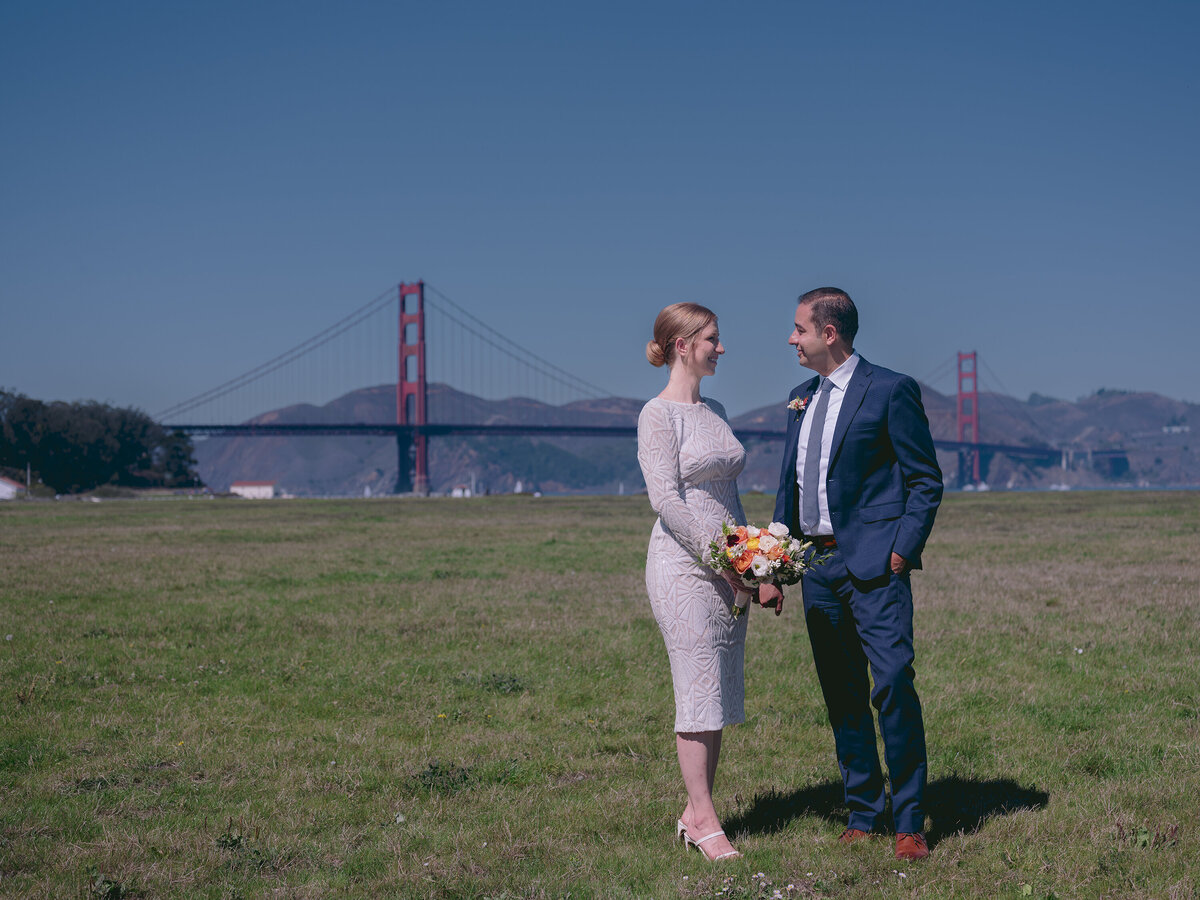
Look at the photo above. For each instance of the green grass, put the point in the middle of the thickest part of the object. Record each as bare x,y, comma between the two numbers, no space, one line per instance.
470,698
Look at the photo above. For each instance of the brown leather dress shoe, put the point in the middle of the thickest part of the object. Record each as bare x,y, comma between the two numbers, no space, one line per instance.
911,846
850,835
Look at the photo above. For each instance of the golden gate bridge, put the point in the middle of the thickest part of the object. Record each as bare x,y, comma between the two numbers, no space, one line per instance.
388,340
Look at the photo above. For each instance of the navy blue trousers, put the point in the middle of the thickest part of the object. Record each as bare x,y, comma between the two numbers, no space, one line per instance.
854,625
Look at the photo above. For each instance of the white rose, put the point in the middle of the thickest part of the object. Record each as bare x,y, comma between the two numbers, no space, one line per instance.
778,530
760,565
766,543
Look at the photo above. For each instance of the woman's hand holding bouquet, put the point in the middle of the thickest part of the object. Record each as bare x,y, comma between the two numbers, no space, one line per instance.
748,556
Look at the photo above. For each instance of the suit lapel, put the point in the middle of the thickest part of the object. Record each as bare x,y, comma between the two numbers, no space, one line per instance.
790,448
794,423
856,391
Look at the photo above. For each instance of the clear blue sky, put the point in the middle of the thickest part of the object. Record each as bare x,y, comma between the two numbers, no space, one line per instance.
189,189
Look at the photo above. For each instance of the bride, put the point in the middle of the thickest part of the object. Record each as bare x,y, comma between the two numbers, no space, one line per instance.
690,460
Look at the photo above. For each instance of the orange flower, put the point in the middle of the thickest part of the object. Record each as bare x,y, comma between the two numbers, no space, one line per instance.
742,563
775,552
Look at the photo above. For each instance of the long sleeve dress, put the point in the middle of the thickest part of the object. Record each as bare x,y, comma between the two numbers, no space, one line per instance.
690,460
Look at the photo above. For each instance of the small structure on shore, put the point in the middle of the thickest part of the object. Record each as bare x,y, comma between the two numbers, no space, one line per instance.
253,490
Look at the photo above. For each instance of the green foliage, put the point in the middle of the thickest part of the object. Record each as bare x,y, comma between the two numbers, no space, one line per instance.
1036,399
442,778
80,446
104,887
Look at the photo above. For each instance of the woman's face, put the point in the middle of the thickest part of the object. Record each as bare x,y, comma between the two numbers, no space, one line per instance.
700,355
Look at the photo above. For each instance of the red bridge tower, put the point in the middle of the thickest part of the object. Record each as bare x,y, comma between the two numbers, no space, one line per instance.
413,459
968,413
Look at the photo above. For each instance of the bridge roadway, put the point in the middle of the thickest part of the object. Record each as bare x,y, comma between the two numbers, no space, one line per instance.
1044,454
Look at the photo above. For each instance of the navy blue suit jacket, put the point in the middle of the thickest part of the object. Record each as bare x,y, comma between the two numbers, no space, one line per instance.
884,484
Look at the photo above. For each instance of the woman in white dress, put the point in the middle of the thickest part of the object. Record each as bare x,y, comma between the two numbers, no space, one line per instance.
690,460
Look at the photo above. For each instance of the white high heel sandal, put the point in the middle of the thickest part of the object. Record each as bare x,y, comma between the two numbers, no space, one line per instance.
682,832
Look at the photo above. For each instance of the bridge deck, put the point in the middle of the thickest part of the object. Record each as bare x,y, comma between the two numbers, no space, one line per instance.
513,430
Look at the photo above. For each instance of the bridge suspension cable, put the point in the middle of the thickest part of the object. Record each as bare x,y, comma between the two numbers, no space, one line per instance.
1017,404
471,362
490,336
283,359
942,370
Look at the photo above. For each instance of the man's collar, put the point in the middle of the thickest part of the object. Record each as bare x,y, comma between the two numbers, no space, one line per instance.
842,374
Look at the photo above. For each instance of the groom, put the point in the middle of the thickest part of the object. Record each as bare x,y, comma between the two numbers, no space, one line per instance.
861,481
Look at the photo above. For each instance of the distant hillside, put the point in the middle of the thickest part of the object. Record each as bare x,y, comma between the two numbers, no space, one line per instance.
341,466
1152,429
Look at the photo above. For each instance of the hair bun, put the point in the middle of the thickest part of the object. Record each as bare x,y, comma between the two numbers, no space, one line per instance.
679,320
654,353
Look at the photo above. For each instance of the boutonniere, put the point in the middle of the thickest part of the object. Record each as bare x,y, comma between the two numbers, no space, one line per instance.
797,406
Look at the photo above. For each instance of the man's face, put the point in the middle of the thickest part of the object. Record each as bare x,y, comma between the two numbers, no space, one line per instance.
812,345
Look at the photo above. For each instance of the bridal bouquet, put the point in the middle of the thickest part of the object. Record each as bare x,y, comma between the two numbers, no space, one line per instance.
758,556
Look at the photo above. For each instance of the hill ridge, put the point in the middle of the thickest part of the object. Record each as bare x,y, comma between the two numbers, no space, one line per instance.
1153,431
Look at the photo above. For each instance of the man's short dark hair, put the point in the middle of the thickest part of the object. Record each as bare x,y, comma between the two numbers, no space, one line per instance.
833,306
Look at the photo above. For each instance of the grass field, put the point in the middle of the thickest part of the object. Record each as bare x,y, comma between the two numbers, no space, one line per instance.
448,698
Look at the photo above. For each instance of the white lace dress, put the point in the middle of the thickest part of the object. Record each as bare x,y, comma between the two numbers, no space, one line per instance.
690,460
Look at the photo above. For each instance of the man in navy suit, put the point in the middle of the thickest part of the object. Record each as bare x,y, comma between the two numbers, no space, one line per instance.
860,479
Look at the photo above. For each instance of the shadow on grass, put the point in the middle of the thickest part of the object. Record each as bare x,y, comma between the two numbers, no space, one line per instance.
954,804
774,810
961,804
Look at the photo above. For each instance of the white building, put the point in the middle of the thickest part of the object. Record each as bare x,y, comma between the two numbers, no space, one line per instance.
253,490
10,489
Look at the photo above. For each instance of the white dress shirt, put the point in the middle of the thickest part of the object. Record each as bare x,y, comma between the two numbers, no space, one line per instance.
840,379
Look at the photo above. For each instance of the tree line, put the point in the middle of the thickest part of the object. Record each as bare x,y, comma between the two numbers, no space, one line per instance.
73,447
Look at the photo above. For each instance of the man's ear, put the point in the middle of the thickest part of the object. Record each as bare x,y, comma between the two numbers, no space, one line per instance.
829,332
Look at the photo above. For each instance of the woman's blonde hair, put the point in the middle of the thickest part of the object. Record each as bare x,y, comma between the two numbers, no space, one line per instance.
679,320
